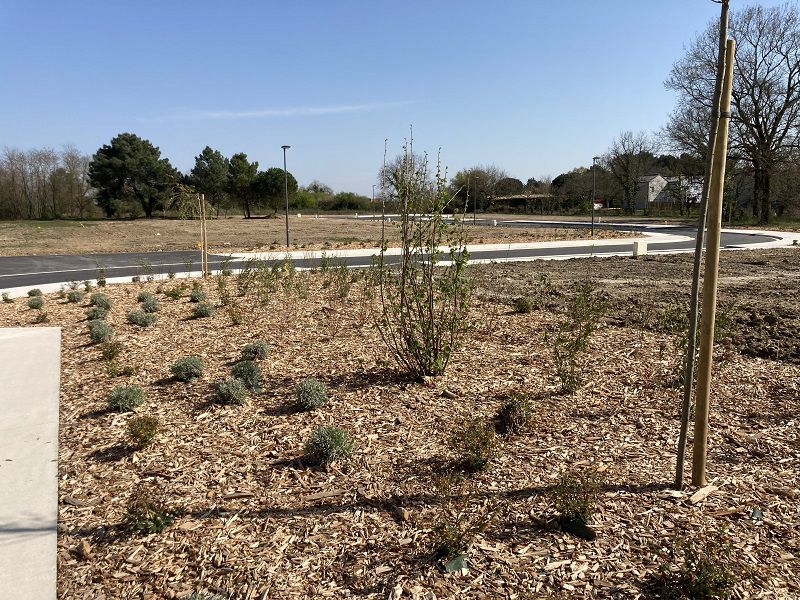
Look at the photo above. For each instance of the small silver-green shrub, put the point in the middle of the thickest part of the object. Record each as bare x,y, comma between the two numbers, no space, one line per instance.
35,302
151,305
100,331
101,300
311,394
125,397
203,309
230,391
187,368
255,350
94,313
249,373
75,296
141,318
328,444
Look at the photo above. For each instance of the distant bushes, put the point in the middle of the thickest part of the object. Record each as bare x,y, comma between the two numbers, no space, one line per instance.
523,305
151,306
197,294
110,350
515,415
345,201
475,443
148,511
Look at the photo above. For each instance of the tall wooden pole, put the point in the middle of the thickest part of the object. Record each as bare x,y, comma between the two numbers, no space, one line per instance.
710,277
694,299
203,236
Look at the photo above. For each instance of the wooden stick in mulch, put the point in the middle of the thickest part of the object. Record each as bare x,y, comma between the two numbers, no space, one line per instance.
694,299
710,278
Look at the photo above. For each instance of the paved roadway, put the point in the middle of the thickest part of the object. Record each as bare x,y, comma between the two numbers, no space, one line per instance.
30,271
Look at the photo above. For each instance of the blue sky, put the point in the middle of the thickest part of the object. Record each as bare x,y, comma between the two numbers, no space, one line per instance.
535,87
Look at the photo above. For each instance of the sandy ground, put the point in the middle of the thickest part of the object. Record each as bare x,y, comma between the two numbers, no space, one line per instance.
235,234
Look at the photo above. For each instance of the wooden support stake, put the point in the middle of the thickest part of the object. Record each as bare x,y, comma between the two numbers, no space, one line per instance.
694,298
203,235
710,277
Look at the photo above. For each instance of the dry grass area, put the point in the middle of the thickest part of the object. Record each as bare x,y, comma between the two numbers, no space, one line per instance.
236,234
254,520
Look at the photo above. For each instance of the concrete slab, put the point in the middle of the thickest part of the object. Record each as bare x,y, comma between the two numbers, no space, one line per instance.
30,377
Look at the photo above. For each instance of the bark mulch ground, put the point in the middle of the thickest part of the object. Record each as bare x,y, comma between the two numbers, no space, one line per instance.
255,520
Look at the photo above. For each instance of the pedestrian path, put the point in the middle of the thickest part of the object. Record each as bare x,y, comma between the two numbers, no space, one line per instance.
30,375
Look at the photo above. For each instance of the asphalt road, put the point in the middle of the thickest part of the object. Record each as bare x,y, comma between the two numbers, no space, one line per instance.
30,271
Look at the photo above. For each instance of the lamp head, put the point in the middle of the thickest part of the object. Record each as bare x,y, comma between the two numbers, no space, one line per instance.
285,147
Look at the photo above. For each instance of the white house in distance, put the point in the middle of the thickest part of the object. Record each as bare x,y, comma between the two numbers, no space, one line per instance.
657,189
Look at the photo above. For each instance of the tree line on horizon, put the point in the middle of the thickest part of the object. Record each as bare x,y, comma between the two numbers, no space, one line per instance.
129,178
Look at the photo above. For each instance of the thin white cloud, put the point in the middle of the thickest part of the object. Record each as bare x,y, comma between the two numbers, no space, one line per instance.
268,113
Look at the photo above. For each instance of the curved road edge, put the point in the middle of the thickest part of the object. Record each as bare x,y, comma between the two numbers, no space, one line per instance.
660,239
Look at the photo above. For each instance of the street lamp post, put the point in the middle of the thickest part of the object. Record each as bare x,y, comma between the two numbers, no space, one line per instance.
286,192
475,203
594,187
373,200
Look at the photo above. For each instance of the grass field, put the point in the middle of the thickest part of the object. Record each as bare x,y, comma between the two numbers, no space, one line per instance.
76,237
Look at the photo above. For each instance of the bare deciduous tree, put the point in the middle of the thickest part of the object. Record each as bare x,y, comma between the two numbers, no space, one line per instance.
765,98
627,160
44,184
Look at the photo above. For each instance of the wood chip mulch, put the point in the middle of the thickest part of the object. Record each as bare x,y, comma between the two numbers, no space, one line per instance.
255,521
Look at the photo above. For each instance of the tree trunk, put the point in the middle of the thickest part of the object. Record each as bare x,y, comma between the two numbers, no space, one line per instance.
762,206
147,206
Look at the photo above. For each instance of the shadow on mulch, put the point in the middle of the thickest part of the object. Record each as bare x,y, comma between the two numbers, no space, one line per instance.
113,453
97,533
285,409
94,414
163,381
637,488
350,381
595,415
358,380
291,463
523,533
780,417
433,466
